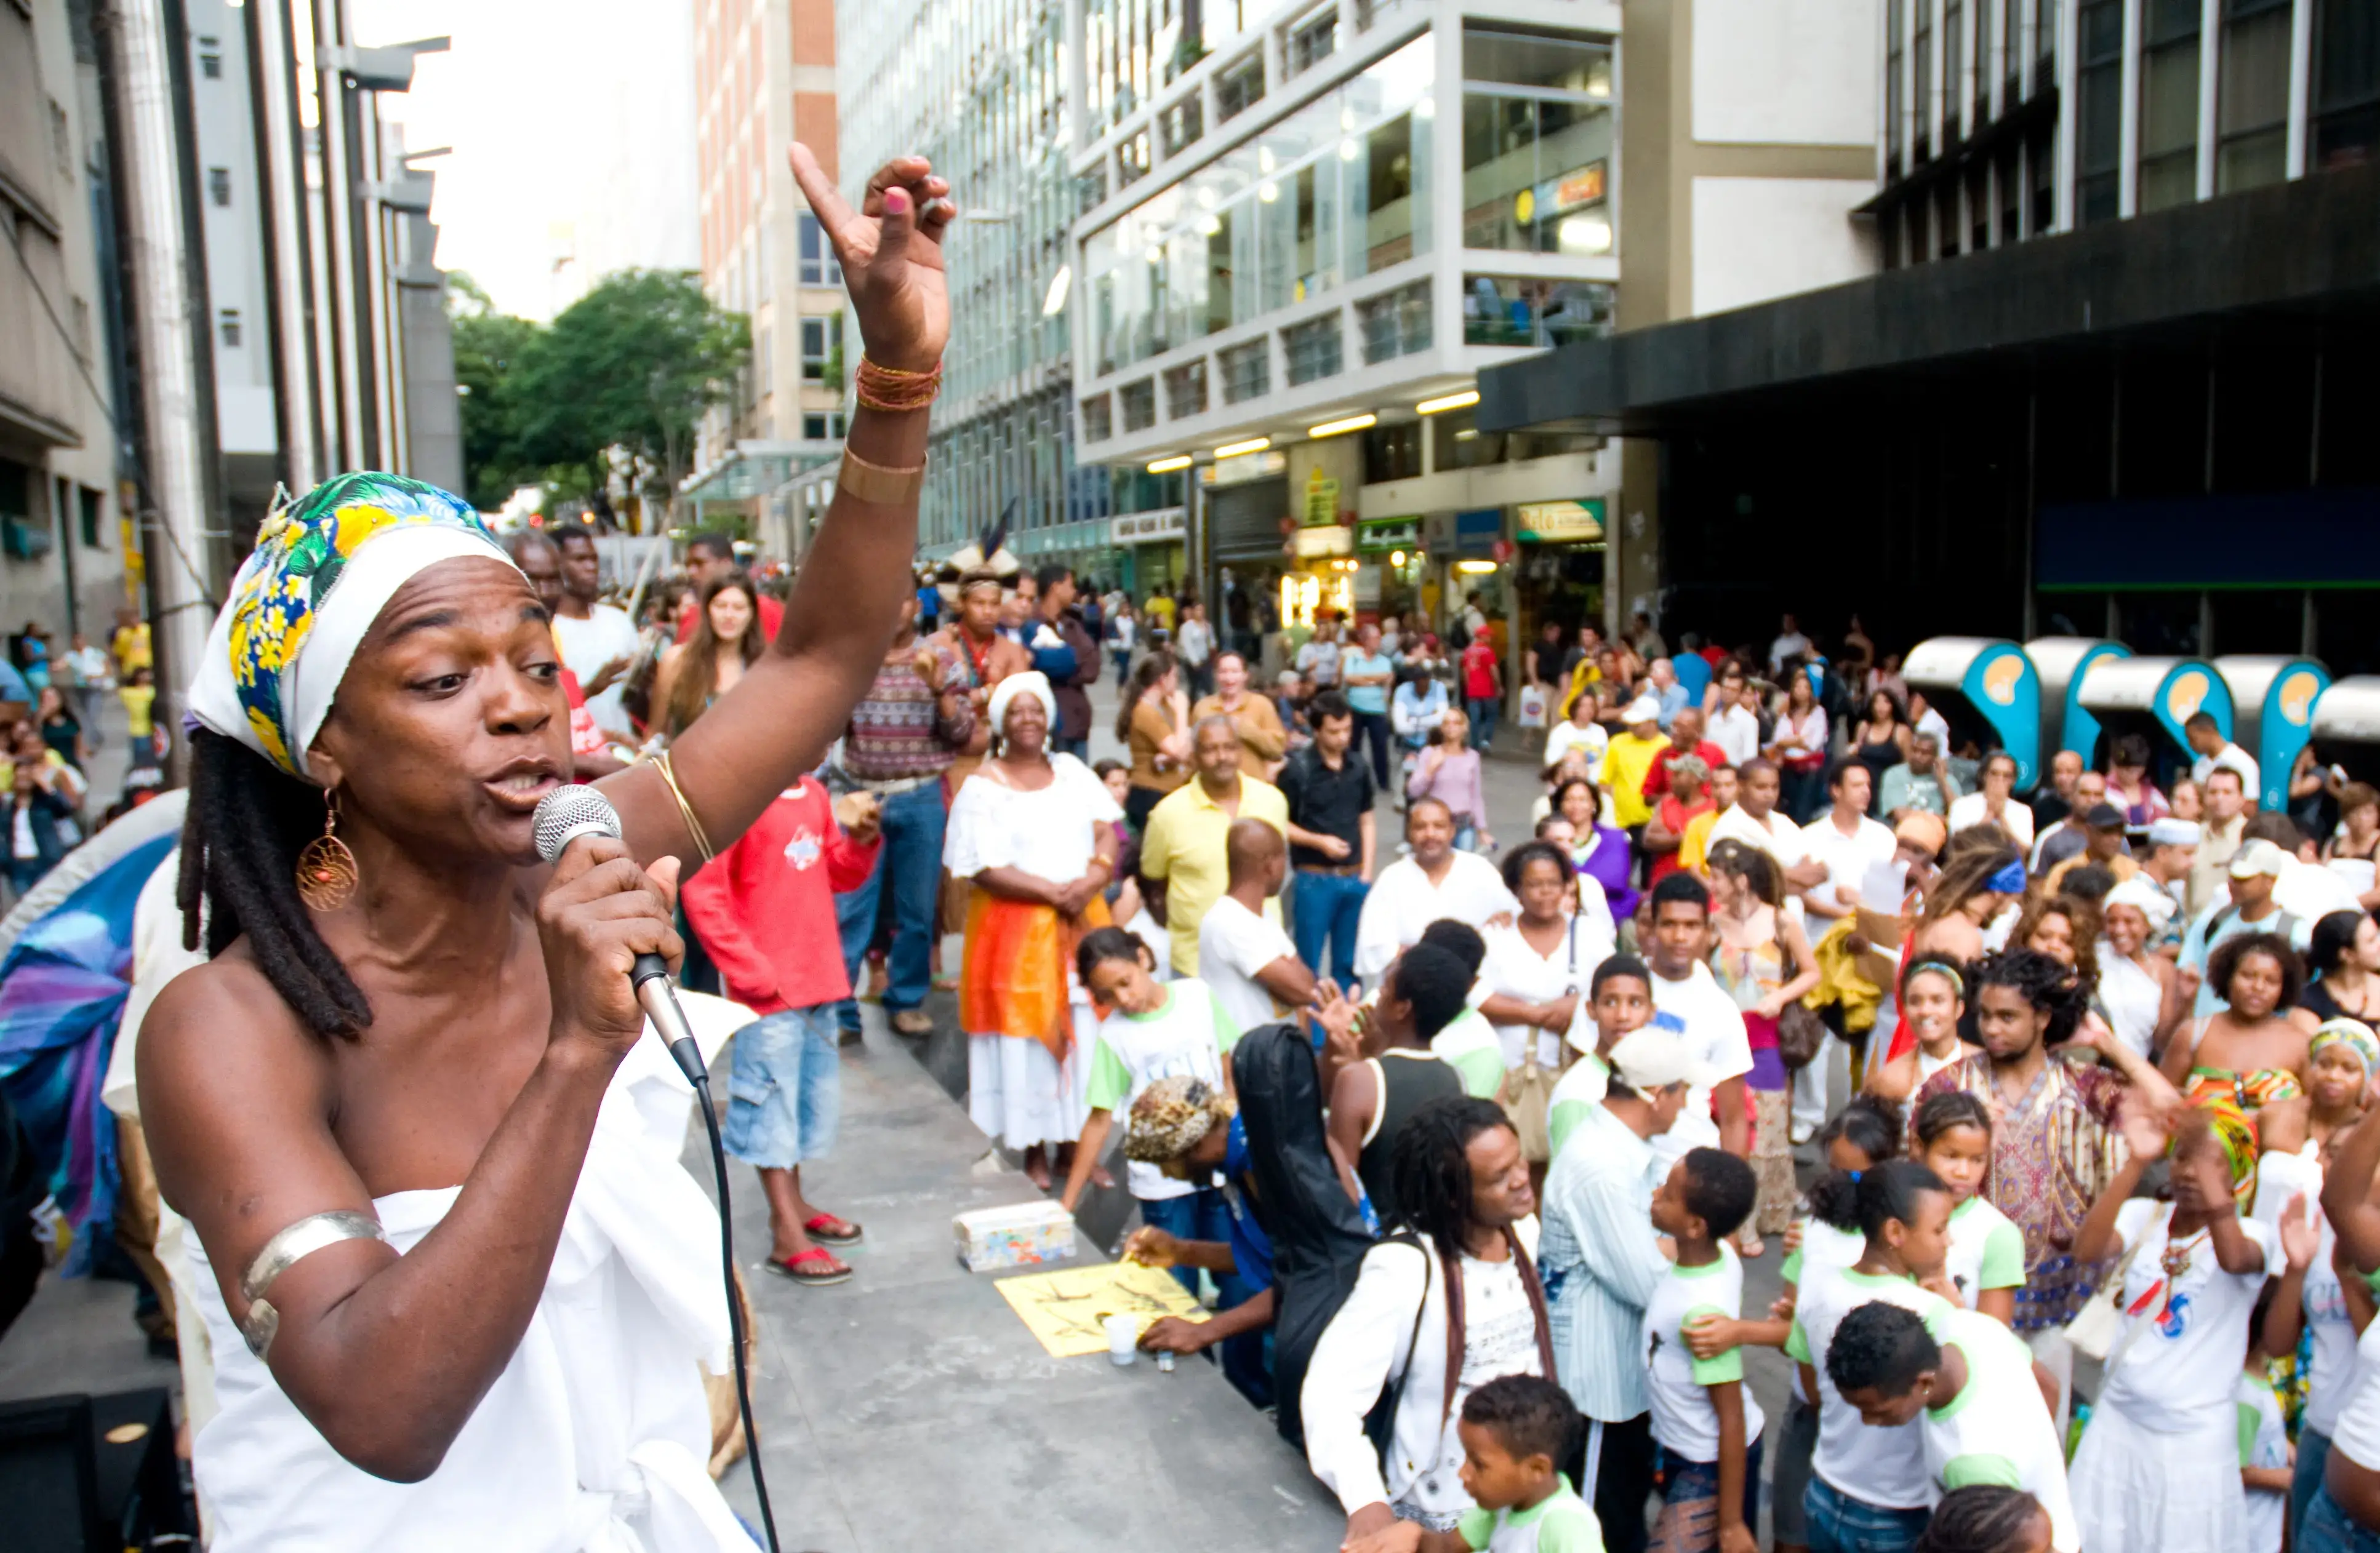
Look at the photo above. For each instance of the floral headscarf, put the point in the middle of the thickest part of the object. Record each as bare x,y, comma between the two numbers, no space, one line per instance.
324,568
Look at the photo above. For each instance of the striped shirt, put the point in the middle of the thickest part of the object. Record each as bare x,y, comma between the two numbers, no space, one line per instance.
891,737
1600,1263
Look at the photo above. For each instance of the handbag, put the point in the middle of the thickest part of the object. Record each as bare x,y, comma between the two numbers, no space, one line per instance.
2093,1330
1801,1033
1527,1092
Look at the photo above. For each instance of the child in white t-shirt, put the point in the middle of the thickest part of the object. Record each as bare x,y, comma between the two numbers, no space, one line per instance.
2265,1462
1515,1431
1985,1265
1704,1420
1970,1387
2159,1464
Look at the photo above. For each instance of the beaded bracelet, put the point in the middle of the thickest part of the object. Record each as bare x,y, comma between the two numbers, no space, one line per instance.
889,388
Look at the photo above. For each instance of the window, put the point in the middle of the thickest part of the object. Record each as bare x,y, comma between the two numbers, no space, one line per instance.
1460,444
2251,95
2044,166
1312,348
1393,451
1180,123
1091,189
1895,101
1098,423
819,266
1247,370
1954,69
1921,63
2346,117
1946,219
1396,323
1536,174
822,428
2169,173
219,185
1311,42
1510,310
1979,208
211,58
88,501
227,327
1139,403
2011,54
1526,59
1185,390
2099,133
2044,45
1238,86
821,347
2012,188
1132,157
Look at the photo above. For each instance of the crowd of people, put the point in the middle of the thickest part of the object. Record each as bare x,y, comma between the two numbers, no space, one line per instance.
1456,1125
52,705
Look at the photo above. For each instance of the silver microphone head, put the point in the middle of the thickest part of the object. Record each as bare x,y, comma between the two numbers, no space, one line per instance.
569,812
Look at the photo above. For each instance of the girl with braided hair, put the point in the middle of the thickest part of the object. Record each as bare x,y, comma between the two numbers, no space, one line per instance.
2056,1144
456,1284
1439,1309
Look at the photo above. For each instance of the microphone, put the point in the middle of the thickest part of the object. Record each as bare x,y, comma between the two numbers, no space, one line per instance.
573,810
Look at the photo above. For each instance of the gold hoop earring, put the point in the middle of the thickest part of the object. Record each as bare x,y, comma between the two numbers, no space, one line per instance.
326,870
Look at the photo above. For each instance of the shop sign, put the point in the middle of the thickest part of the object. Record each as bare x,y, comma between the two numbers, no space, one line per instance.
1553,523
1384,534
1477,531
1150,528
1581,185
1321,501
1242,467
1334,540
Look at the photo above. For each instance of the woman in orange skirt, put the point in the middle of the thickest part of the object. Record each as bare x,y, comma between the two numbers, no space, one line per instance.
1033,834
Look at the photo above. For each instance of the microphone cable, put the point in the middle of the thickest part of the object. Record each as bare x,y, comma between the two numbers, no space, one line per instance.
734,1300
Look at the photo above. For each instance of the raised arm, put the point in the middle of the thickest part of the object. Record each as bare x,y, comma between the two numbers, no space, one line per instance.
779,718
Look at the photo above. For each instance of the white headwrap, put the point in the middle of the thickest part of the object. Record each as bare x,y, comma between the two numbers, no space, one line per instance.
2144,897
1033,683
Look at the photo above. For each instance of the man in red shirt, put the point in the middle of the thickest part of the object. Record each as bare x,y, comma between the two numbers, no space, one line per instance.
1685,738
710,557
1482,696
765,910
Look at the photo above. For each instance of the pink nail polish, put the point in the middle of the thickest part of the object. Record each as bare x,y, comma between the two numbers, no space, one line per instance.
896,200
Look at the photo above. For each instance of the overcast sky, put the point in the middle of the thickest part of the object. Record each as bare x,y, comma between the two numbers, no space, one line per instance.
572,127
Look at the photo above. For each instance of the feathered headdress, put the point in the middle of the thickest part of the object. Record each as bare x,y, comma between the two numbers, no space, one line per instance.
989,559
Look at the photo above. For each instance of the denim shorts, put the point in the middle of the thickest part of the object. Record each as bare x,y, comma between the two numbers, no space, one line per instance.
2327,1530
1839,1524
784,1090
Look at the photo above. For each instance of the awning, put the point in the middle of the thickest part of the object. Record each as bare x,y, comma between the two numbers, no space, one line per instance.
753,469
2308,247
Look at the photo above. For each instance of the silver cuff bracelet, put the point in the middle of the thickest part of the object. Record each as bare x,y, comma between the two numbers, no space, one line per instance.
293,1244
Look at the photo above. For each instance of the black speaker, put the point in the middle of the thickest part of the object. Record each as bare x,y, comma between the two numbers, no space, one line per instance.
92,1475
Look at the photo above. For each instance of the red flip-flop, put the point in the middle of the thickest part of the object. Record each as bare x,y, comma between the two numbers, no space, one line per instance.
817,1266
834,1231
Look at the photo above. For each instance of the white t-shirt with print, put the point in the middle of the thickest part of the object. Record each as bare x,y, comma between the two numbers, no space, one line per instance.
1877,1467
2264,1442
2324,1303
1824,1251
1700,1011
1986,1250
1998,1429
1685,1420
2181,1368
1514,969
1234,943
1499,1337
587,645
1188,1034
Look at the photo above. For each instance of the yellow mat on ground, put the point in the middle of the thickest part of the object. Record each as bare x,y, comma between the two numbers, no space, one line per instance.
1063,1309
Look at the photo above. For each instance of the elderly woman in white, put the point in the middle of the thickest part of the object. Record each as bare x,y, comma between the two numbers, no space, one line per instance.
1034,835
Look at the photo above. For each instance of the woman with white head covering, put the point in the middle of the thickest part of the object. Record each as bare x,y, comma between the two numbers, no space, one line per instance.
1034,835
2140,994
453,1276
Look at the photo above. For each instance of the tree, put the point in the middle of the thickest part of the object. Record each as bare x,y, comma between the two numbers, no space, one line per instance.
633,365
489,348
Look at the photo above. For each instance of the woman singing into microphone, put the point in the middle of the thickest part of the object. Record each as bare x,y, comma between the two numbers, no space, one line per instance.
458,1283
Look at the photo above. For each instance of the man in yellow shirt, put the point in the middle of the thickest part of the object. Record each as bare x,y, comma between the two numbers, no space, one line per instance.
130,645
1627,758
1185,861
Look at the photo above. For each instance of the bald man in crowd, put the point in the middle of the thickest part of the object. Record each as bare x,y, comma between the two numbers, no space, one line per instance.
1244,957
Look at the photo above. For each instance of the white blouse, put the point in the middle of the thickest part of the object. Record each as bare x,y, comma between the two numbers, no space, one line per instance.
1051,833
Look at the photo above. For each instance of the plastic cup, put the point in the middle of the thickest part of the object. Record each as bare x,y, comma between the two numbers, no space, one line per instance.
1123,1338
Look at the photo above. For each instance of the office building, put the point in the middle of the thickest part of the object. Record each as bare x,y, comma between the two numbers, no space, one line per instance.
2115,376
764,75
1310,227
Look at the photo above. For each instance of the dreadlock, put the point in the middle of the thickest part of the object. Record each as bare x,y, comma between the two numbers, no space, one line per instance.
1980,1517
2051,988
247,821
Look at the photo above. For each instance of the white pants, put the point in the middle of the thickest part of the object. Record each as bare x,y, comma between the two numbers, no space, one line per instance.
1814,1081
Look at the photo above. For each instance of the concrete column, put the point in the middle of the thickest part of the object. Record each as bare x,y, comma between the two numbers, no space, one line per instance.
2300,83
2128,152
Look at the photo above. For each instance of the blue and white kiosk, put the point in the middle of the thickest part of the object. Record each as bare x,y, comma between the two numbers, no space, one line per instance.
2154,697
2273,697
1986,690
2062,661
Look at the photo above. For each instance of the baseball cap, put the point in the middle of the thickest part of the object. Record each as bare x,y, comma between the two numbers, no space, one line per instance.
2103,816
1644,709
2258,856
1653,1058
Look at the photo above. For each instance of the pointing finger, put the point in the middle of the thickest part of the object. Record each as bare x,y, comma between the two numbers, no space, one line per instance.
819,190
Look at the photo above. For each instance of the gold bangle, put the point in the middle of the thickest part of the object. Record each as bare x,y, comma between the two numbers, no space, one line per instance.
685,809
877,483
